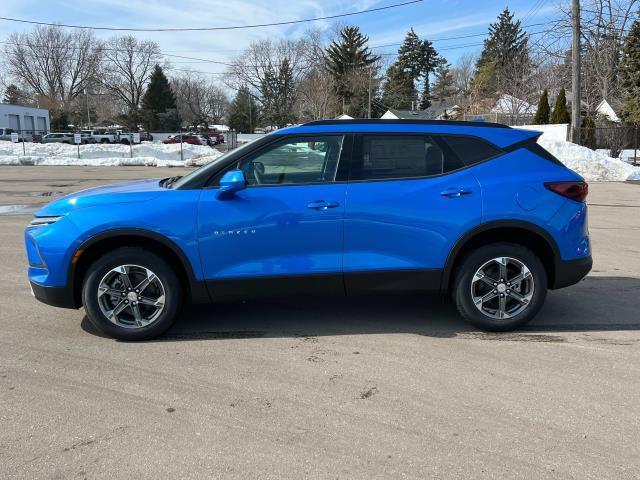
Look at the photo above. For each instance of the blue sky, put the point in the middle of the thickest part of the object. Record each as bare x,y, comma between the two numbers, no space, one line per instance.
431,19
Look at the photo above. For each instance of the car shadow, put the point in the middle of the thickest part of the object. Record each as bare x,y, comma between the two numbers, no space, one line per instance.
597,303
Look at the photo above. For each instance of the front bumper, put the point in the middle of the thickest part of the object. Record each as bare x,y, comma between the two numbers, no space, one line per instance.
570,272
55,296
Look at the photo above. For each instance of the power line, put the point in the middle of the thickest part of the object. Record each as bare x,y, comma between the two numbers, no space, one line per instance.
199,29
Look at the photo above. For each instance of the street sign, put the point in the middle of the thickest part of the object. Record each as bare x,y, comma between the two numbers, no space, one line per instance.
136,138
14,137
77,138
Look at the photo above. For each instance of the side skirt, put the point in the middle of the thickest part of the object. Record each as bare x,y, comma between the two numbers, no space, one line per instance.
396,282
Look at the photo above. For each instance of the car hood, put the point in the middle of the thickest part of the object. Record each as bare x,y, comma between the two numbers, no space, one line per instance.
138,191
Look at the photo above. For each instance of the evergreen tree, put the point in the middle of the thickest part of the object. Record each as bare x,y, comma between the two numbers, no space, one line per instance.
560,113
543,111
160,112
419,60
588,133
507,43
13,95
349,61
630,75
277,95
59,120
444,86
399,90
244,112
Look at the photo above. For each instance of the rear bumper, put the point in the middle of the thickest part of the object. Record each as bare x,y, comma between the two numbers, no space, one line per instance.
570,272
55,296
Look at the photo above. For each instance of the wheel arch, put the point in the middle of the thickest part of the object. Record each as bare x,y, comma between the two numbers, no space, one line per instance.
527,234
96,246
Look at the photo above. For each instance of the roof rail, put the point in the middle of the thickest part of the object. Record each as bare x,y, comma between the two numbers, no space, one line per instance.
459,123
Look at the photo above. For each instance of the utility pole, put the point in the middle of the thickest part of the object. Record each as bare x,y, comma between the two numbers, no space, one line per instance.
369,106
575,71
86,95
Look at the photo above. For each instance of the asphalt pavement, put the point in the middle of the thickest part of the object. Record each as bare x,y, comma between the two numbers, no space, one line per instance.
323,388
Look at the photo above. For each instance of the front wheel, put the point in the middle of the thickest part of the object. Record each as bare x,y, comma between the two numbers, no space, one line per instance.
131,294
500,287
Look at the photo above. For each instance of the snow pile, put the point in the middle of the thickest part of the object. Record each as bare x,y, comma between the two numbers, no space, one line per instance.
590,164
145,154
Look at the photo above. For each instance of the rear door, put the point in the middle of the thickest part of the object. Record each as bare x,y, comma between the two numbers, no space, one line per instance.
283,233
409,199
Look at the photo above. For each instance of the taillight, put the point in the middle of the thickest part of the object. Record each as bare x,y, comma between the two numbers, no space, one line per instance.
574,190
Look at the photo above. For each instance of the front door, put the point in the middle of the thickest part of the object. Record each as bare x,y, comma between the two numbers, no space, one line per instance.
283,233
409,199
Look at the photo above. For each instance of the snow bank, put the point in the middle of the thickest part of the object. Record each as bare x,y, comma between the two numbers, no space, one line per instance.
592,165
145,154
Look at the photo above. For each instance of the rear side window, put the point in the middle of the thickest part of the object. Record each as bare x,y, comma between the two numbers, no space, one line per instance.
397,157
472,150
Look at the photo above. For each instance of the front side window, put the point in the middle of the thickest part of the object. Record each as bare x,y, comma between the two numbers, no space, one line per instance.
397,157
295,161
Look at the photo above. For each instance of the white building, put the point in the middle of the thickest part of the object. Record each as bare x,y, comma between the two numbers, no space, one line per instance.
28,120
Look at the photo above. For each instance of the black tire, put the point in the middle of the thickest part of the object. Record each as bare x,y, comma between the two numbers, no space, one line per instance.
104,140
132,256
465,273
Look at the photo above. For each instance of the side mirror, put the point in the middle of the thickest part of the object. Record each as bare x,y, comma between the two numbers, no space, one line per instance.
231,182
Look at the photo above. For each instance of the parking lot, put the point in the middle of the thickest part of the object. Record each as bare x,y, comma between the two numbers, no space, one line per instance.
323,388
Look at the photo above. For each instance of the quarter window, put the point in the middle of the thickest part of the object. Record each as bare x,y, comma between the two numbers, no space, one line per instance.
471,150
396,157
295,161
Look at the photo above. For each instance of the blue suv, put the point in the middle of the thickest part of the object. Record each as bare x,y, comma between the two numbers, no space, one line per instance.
476,210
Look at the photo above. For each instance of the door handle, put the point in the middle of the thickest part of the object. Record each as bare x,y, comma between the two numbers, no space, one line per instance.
322,205
456,192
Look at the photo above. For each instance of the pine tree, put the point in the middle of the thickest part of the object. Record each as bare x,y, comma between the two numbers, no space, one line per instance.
277,95
13,95
588,133
560,113
244,112
543,111
159,104
349,61
630,75
507,43
398,91
444,87
419,60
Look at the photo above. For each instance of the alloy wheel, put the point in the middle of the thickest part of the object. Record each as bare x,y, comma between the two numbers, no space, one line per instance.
502,288
131,296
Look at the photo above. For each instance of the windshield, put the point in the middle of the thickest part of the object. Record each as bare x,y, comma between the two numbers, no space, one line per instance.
208,166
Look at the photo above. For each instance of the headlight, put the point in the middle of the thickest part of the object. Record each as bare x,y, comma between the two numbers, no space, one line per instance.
40,221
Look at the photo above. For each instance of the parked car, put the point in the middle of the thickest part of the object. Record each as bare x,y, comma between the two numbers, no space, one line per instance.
58,138
475,210
205,139
146,137
87,138
5,134
101,136
218,136
184,138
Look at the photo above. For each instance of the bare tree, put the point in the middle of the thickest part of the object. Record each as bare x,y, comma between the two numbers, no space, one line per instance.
604,25
55,64
462,74
126,66
199,101
316,96
254,66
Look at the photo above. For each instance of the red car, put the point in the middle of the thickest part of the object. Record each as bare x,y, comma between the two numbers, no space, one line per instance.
180,138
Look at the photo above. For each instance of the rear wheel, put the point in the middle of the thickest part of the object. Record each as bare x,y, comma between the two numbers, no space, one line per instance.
131,294
500,287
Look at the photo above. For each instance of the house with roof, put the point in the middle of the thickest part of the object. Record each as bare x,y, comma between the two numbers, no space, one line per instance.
440,111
